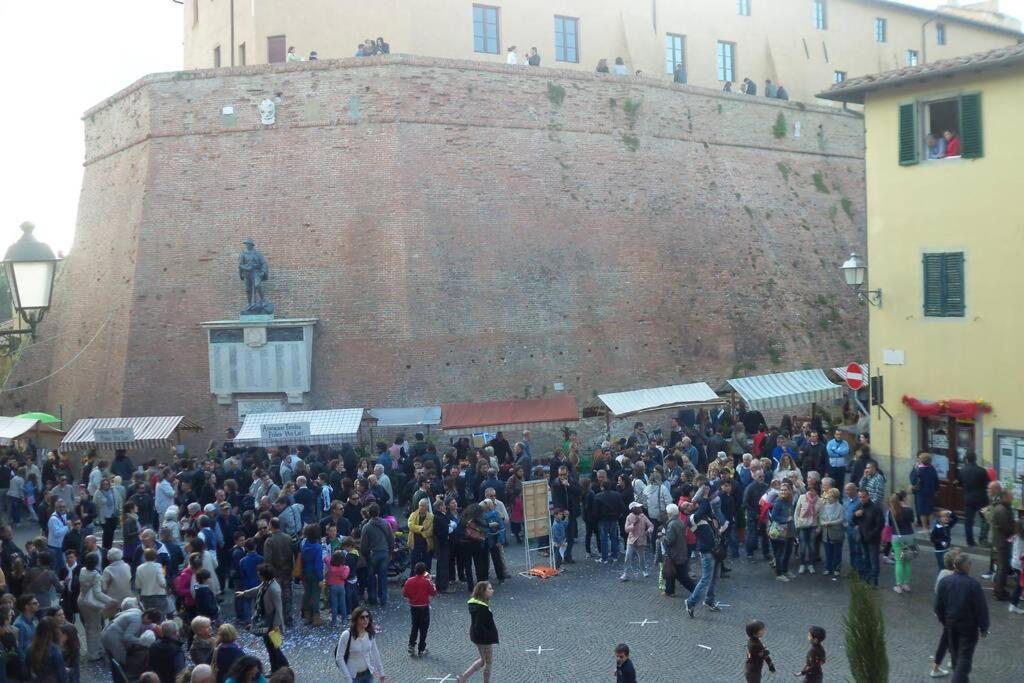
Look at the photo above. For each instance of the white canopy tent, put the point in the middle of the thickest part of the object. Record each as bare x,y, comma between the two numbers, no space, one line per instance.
12,428
129,433
786,389
300,428
644,400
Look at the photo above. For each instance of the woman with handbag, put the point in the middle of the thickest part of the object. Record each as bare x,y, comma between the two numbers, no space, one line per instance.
807,508
473,547
268,615
900,518
830,520
781,531
91,603
356,654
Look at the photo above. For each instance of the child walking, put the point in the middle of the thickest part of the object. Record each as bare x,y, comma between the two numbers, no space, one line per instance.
757,653
336,573
559,536
813,668
418,590
941,535
638,528
625,672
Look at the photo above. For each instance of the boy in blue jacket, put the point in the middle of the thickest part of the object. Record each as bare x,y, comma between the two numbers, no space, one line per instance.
942,535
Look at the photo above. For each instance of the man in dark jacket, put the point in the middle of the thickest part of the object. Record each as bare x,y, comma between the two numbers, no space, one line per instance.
869,521
375,544
974,479
166,657
608,508
961,608
565,495
279,554
813,456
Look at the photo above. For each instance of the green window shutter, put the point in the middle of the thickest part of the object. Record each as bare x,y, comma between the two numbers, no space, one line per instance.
971,142
953,270
933,282
909,145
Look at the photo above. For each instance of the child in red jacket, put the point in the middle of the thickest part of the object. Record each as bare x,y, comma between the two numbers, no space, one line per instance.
418,590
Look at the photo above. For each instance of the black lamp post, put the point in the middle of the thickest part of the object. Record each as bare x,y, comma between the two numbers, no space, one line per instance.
31,267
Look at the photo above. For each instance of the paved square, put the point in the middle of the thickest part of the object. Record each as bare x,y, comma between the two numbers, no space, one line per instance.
565,629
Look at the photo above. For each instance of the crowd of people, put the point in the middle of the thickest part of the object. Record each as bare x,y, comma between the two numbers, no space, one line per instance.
249,525
367,48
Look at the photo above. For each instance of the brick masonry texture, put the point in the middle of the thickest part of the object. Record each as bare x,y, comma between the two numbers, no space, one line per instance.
462,231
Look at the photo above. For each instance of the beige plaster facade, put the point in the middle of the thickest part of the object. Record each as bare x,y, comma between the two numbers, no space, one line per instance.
778,39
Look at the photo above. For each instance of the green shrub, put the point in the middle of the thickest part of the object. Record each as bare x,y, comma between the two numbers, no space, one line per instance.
864,628
780,128
556,94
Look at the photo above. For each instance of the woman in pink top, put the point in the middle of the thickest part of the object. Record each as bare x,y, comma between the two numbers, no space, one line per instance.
336,572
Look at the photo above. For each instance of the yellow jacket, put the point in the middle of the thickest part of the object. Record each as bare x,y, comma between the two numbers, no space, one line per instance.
426,530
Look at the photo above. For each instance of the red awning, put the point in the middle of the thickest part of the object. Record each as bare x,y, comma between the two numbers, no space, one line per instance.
494,413
960,409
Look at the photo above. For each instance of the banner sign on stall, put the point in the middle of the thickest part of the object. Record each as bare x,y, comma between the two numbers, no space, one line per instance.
284,430
113,434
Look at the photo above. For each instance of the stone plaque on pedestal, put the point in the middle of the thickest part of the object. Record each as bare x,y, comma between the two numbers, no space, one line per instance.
258,354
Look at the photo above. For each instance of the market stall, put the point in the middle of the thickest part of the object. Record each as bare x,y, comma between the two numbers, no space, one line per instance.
786,389
624,403
128,433
42,435
482,420
386,423
300,428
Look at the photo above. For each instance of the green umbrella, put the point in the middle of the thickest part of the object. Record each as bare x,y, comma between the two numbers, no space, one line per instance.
45,418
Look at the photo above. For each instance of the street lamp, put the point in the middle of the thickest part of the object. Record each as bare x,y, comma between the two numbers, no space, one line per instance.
31,267
856,274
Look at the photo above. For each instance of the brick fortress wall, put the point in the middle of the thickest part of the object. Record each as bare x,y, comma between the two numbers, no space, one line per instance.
463,231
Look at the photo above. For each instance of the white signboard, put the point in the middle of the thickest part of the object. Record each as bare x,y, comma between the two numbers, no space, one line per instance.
284,431
113,434
251,407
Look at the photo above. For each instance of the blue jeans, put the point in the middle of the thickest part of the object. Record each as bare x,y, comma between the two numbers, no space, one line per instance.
756,532
838,476
782,548
940,559
15,508
856,550
807,534
833,555
378,566
243,609
339,602
872,555
420,555
364,677
733,541
608,530
706,583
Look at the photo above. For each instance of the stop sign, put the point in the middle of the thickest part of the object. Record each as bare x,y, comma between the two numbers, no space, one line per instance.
854,376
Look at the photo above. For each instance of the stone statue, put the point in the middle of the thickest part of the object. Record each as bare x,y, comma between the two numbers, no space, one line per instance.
268,112
252,269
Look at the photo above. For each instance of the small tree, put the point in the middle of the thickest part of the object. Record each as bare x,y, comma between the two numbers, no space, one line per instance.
780,128
864,627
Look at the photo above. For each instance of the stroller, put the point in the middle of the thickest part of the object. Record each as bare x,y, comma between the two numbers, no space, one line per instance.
399,564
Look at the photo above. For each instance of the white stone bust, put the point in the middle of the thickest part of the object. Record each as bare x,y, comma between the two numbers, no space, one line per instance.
268,112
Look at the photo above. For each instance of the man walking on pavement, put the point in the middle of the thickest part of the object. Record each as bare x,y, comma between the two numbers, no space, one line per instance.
565,495
961,608
974,479
1003,531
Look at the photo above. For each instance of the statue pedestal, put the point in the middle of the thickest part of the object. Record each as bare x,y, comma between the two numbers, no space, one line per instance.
258,354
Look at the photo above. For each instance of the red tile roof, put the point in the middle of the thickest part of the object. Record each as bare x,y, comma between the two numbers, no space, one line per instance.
854,89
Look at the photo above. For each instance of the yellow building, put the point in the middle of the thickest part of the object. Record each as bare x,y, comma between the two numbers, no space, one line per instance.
804,44
945,238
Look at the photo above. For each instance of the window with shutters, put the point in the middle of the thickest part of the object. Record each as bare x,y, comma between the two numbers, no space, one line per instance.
567,31
485,29
944,285
675,52
726,61
944,128
881,30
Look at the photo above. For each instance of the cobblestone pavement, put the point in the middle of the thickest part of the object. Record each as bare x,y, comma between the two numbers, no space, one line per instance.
577,619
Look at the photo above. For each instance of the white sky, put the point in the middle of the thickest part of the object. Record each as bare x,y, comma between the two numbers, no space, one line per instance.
65,57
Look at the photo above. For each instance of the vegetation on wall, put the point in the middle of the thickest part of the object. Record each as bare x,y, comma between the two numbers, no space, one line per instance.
780,128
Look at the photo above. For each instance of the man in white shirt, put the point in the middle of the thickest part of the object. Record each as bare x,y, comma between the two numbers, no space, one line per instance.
384,480
57,529
164,496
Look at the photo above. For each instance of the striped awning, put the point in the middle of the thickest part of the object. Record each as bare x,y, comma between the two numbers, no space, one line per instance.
642,400
786,389
313,428
145,432
841,372
405,417
13,427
